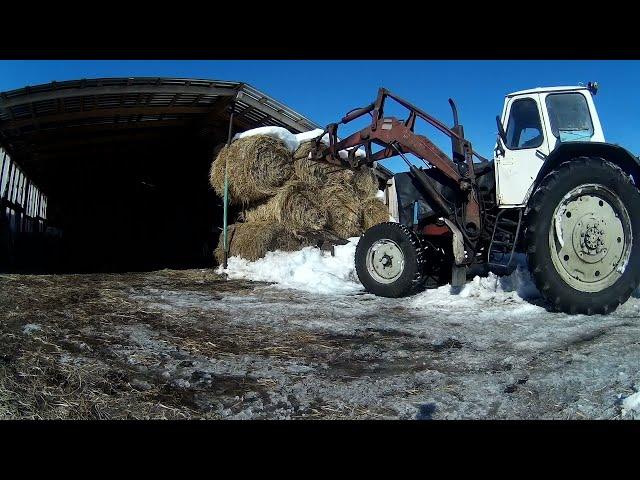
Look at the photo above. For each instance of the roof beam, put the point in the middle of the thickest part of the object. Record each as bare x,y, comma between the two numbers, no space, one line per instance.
105,112
82,142
114,90
47,135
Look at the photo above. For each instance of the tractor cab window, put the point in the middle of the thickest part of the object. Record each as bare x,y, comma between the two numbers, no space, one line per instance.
569,116
524,129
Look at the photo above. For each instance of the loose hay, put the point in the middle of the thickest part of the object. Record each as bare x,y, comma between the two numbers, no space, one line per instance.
373,212
295,206
257,166
342,207
252,240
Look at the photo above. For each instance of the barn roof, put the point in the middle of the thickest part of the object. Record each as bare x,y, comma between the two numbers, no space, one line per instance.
72,110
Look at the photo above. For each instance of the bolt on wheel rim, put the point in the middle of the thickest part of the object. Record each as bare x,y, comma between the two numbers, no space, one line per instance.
590,238
385,261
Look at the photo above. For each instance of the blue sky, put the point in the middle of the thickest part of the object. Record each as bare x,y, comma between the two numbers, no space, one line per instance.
325,90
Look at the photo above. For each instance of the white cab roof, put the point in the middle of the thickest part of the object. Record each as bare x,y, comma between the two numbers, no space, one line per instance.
547,89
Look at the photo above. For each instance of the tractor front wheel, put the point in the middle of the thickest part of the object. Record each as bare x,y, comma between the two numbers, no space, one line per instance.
390,260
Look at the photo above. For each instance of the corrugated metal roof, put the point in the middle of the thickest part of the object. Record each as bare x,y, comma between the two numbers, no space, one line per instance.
71,113
105,100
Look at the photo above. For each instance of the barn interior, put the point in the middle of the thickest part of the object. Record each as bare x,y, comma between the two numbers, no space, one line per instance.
124,166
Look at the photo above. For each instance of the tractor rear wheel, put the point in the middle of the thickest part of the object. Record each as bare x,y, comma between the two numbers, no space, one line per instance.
583,236
390,260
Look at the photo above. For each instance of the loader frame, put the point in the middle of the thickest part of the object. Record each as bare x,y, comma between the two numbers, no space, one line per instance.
465,217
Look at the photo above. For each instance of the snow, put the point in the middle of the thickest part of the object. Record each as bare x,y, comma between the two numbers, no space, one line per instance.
484,297
314,271
291,140
631,404
344,154
280,133
491,351
560,214
311,135
29,328
309,269
558,223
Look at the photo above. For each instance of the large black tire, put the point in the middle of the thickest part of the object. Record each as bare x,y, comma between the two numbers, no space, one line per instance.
554,191
410,279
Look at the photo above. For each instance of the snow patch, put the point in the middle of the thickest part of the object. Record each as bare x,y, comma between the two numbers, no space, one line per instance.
311,135
309,269
631,404
558,222
291,140
280,133
344,154
29,328
516,288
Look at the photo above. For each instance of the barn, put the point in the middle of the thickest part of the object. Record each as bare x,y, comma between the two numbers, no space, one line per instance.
112,174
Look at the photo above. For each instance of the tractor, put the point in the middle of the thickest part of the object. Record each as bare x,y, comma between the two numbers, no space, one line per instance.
554,192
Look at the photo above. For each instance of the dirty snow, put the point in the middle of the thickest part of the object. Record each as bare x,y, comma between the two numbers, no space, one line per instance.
631,405
491,351
29,328
192,344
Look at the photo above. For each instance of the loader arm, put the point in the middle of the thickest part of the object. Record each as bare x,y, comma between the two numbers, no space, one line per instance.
397,137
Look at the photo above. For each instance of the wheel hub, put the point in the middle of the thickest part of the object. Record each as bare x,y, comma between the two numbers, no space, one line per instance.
591,241
385,261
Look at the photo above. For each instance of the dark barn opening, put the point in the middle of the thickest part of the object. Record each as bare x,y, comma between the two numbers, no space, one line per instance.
121,166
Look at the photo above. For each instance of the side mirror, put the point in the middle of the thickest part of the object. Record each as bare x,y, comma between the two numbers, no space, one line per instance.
502,137
501,132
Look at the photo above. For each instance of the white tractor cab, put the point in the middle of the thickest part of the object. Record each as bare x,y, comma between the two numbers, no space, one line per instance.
538,121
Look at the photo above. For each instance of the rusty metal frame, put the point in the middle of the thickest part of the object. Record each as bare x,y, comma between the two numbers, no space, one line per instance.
398,137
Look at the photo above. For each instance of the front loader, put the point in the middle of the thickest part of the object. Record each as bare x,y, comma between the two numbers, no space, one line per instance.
554,190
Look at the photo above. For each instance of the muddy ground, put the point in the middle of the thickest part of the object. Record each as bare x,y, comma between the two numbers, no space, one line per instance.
190,344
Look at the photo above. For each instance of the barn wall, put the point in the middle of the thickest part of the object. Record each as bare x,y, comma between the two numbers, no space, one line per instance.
24,235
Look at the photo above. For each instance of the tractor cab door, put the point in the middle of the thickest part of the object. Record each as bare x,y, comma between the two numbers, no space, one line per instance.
525,150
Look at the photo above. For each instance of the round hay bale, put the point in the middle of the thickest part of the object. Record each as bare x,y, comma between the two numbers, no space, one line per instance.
303,151
252,240
373,212
343,209
295,206
365,182
216,172
317,173
257,166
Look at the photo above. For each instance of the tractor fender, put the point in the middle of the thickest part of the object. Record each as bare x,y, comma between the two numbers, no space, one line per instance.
613,153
